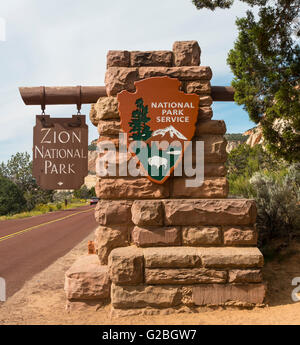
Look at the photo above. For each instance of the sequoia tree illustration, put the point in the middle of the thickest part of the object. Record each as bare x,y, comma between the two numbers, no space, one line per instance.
139,129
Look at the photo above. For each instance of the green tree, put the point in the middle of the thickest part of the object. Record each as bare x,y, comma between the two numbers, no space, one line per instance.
11,197
265,61
18,169
139,129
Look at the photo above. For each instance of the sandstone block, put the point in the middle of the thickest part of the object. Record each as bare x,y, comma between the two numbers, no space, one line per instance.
126,266
120,78
142,296
182,73
201,235
210,212
111,163
218,294
239,236
199,87
118,58
151,58
130,188
172,257
151,237
109,128
205,113
211,127
87,279
184,276
106,108
241,257
244,276
147,213
186,53
113,212
205,101
103,140
213,187
107,238
214,148
215,169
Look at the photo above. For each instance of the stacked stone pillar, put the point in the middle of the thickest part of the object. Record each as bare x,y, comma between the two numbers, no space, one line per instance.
168,246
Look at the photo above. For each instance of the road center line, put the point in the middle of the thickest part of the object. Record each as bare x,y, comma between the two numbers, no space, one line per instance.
39,225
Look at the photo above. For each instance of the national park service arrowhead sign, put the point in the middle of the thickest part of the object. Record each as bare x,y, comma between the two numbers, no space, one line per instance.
158,119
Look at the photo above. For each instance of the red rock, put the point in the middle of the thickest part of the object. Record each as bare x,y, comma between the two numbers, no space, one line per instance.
205,113
130,188
214,148
109,128
118,58
218,294
126,266
239,236
211,127
108,238
154,237
87,279
120,78
147,213
240,257
172,257
113,212
182,73
142,296
205,101
213,187
184,276
151,58
199,87
201,235
210,212
106,108
186,53
244,276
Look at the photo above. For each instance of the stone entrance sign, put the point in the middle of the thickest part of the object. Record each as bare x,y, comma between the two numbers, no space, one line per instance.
159,118
60,152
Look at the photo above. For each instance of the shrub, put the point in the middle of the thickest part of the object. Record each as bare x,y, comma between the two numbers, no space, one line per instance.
277,198
58,206
11,197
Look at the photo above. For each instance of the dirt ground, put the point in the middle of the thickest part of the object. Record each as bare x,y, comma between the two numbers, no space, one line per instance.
42,301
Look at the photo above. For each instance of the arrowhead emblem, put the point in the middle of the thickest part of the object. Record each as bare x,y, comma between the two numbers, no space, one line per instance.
158,119
60,183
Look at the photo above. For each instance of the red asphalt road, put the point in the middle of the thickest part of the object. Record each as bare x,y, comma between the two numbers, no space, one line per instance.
28,253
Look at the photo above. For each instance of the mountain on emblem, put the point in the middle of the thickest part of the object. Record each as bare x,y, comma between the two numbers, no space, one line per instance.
158,120
171,130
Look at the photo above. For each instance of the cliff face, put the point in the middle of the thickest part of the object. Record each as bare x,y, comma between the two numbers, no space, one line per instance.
92,155
255,136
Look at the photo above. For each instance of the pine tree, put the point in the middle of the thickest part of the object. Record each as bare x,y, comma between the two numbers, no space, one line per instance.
265,61
139,129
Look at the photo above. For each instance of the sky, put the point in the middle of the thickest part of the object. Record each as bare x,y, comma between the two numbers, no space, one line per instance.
65,42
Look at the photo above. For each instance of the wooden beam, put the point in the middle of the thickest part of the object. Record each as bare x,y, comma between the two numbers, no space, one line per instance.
90,94
222,93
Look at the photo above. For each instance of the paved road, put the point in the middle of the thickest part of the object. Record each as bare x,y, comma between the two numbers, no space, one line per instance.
29,245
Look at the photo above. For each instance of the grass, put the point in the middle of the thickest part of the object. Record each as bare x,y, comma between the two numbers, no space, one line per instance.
46,208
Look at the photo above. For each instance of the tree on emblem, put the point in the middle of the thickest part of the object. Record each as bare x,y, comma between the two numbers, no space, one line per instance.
139,130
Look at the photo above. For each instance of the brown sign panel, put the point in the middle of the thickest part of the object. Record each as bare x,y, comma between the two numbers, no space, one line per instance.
60,152
159,119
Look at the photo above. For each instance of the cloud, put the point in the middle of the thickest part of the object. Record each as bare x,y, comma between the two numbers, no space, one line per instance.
65,43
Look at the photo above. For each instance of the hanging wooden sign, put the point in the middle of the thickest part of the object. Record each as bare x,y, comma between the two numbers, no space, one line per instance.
60,152
159,119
